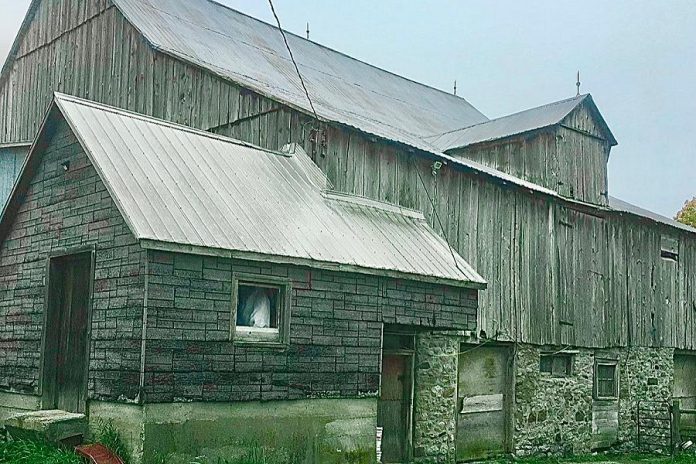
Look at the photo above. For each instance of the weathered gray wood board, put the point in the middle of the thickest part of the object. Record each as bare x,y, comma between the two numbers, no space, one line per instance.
570,158
11,159
483,409
559,272
605,423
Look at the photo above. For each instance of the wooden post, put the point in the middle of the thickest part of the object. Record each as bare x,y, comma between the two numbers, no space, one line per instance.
676,420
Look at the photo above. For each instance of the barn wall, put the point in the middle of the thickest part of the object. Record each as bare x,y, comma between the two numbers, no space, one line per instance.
556,274
558,415
564,159
335,330
62,211
11,159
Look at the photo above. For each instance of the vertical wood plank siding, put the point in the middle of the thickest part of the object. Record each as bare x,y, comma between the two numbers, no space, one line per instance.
558,273
570,159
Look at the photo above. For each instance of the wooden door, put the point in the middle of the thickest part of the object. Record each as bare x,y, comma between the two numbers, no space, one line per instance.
685,392
482,416
67,333
394,409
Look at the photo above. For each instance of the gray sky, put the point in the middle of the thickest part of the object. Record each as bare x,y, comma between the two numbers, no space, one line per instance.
637,58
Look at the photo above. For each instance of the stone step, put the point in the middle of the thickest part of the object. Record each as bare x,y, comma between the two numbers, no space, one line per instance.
52,425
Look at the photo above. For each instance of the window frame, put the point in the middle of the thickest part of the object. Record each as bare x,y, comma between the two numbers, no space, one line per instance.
669,248
566,356
279,337
615,365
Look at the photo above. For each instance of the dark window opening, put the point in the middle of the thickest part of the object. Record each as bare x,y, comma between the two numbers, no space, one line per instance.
557,365
669,248
257,306
261,310
606,383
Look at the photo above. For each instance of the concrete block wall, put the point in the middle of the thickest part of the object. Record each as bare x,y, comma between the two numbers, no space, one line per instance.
63,210
335,330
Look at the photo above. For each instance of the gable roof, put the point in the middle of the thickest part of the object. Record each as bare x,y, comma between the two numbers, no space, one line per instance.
187,190
525,121
198,31
253,54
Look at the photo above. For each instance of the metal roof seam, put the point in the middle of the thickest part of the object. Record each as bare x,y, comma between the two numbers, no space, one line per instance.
164,168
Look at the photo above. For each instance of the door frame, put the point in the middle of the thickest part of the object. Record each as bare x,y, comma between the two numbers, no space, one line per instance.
49,403
509,390
410,354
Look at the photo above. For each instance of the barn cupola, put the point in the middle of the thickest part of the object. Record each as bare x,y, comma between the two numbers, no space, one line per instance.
563,146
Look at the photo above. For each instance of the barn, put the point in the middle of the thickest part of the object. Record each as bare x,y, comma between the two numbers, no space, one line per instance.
171,265
587,322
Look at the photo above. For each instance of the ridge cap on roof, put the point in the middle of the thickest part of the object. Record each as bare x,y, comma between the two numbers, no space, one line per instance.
59,96
384,206
579,99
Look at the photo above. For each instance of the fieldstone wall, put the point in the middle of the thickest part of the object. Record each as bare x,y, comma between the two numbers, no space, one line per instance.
554,415
435,398
647,378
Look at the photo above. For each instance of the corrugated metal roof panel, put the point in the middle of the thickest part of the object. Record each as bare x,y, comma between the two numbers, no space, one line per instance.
623,206
181,186
506,126
343,89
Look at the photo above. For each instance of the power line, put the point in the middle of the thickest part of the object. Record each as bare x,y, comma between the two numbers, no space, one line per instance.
292,57
437,217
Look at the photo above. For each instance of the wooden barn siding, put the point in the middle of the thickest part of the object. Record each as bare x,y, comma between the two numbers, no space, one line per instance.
557,276
570,158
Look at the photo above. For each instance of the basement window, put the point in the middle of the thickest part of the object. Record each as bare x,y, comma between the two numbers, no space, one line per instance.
606,379
669,249
261,310
556,364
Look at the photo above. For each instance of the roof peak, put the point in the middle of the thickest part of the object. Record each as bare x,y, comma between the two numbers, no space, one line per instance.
579,98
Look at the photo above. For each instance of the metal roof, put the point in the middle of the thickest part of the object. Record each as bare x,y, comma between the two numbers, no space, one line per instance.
625,207
506,126
252,53
175,185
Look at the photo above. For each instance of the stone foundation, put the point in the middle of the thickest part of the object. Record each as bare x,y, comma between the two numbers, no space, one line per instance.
435,397
559,415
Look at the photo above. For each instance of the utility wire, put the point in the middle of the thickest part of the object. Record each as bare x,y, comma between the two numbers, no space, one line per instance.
292,57
437,216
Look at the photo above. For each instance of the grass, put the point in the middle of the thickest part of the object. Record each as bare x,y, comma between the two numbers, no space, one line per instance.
626,458
32,452
108,435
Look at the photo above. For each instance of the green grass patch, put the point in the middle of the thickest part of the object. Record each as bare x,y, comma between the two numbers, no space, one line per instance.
626,458
108,435
32,452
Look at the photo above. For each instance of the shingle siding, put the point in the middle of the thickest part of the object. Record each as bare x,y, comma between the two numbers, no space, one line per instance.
64,210
335,330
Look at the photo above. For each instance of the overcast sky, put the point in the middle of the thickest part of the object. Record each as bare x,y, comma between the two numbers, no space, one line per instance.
637,59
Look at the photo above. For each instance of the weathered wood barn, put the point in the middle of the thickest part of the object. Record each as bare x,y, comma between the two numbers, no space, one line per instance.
591,302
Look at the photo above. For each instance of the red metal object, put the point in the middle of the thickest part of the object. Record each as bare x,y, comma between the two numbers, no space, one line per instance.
98,454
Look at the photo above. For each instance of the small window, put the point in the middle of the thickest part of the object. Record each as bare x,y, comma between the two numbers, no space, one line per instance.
606,381
261,310
669,249
556,364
